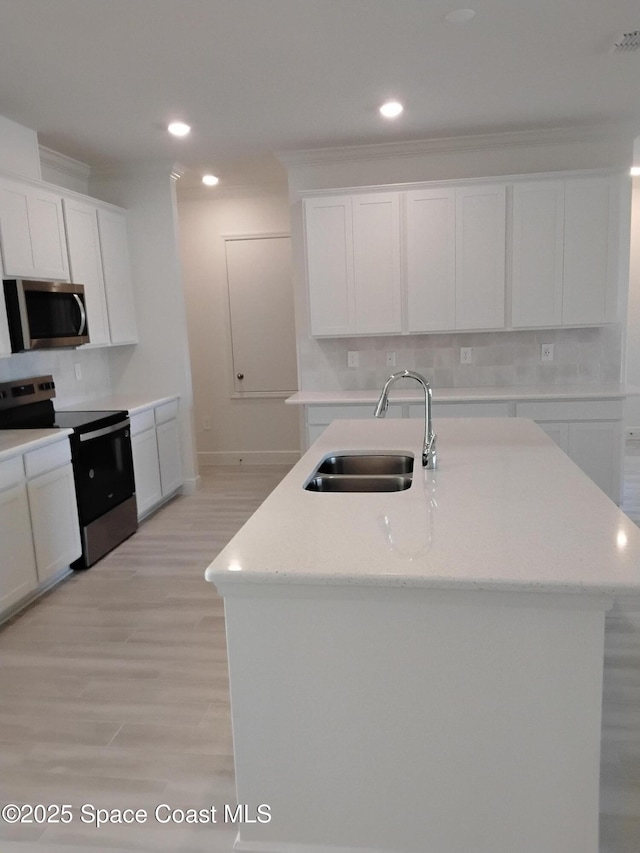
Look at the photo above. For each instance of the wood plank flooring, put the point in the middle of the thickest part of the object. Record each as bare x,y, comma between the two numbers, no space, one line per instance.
113,690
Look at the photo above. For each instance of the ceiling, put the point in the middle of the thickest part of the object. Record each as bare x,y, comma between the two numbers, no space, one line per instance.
100,79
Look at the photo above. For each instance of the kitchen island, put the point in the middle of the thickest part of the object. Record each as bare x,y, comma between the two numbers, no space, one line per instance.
421,670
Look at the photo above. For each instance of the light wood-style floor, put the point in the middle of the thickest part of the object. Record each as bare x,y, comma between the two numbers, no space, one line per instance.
113,690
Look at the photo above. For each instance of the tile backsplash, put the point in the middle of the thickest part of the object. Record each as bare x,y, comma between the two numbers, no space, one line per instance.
581,356
94,366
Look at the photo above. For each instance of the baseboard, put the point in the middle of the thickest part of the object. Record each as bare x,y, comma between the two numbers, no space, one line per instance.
241,846
190,486
251,457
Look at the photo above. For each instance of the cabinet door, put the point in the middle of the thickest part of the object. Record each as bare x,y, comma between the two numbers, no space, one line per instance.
116,269
538,234
146,470
480,256
329,243
376,254
32,232
5,340
54,520
47,233
589,257
431,260
597,449
15,230
169,456
559,433
18,566
85,264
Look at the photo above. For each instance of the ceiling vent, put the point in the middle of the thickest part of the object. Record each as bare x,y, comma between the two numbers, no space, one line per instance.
627,42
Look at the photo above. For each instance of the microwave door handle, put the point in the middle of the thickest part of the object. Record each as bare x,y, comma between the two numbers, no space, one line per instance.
83,315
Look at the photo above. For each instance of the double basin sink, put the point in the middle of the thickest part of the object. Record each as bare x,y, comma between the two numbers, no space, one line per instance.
362,473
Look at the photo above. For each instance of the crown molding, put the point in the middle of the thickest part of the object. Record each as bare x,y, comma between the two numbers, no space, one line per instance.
422,147
62,163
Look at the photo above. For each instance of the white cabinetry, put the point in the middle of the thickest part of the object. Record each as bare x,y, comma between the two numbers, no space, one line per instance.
85,262
431,259
564,252
54,514
116,269
5,339
156,456
319,417
456,258
32,232
480,256
353,264
589,432
39,527
99,259
18,574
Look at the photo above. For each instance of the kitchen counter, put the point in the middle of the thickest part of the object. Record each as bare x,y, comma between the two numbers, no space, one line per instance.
132,403
422,670
466,395
475,523
14,442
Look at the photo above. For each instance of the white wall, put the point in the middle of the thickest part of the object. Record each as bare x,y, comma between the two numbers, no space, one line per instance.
252,430
500,358
159,364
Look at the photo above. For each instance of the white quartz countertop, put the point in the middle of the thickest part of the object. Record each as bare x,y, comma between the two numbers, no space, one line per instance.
459,395
16,441
505,510
132,403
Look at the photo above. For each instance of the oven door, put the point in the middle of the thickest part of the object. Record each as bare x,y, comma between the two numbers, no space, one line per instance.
103,468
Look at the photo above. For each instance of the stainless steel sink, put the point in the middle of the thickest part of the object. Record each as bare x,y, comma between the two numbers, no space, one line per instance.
354,483
365,472
369,465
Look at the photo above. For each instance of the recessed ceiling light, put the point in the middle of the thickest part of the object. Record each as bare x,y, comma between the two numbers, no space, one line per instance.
391,109
210,180
178,128
460,16
635,171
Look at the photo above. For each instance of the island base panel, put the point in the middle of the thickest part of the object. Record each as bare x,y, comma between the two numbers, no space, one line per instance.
398,720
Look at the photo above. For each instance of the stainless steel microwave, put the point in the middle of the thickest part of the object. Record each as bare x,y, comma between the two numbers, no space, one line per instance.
45,314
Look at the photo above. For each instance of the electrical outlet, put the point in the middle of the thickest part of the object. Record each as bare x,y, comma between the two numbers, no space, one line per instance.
353,358
78,369
546,352
391,359
466,355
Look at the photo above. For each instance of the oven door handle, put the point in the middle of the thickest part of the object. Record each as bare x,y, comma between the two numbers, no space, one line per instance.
83,315
97,433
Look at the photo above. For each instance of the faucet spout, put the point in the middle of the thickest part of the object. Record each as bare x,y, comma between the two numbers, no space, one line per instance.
429,457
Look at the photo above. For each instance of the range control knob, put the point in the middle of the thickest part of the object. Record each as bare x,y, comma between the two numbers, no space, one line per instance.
240,375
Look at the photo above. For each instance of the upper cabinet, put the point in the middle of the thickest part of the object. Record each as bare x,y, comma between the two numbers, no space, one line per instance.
455,258
434,258
99,259
564,252
116,269
85,262
32,232
353,264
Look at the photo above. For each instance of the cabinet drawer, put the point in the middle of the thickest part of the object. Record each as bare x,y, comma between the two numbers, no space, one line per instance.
47,458
572,410
142,421
11,472
326,414
166,412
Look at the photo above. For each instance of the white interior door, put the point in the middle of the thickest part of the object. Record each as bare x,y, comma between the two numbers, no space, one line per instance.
259,276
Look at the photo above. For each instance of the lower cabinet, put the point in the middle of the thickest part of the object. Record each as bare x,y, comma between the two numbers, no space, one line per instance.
39,528
54,521
18,572
157,464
